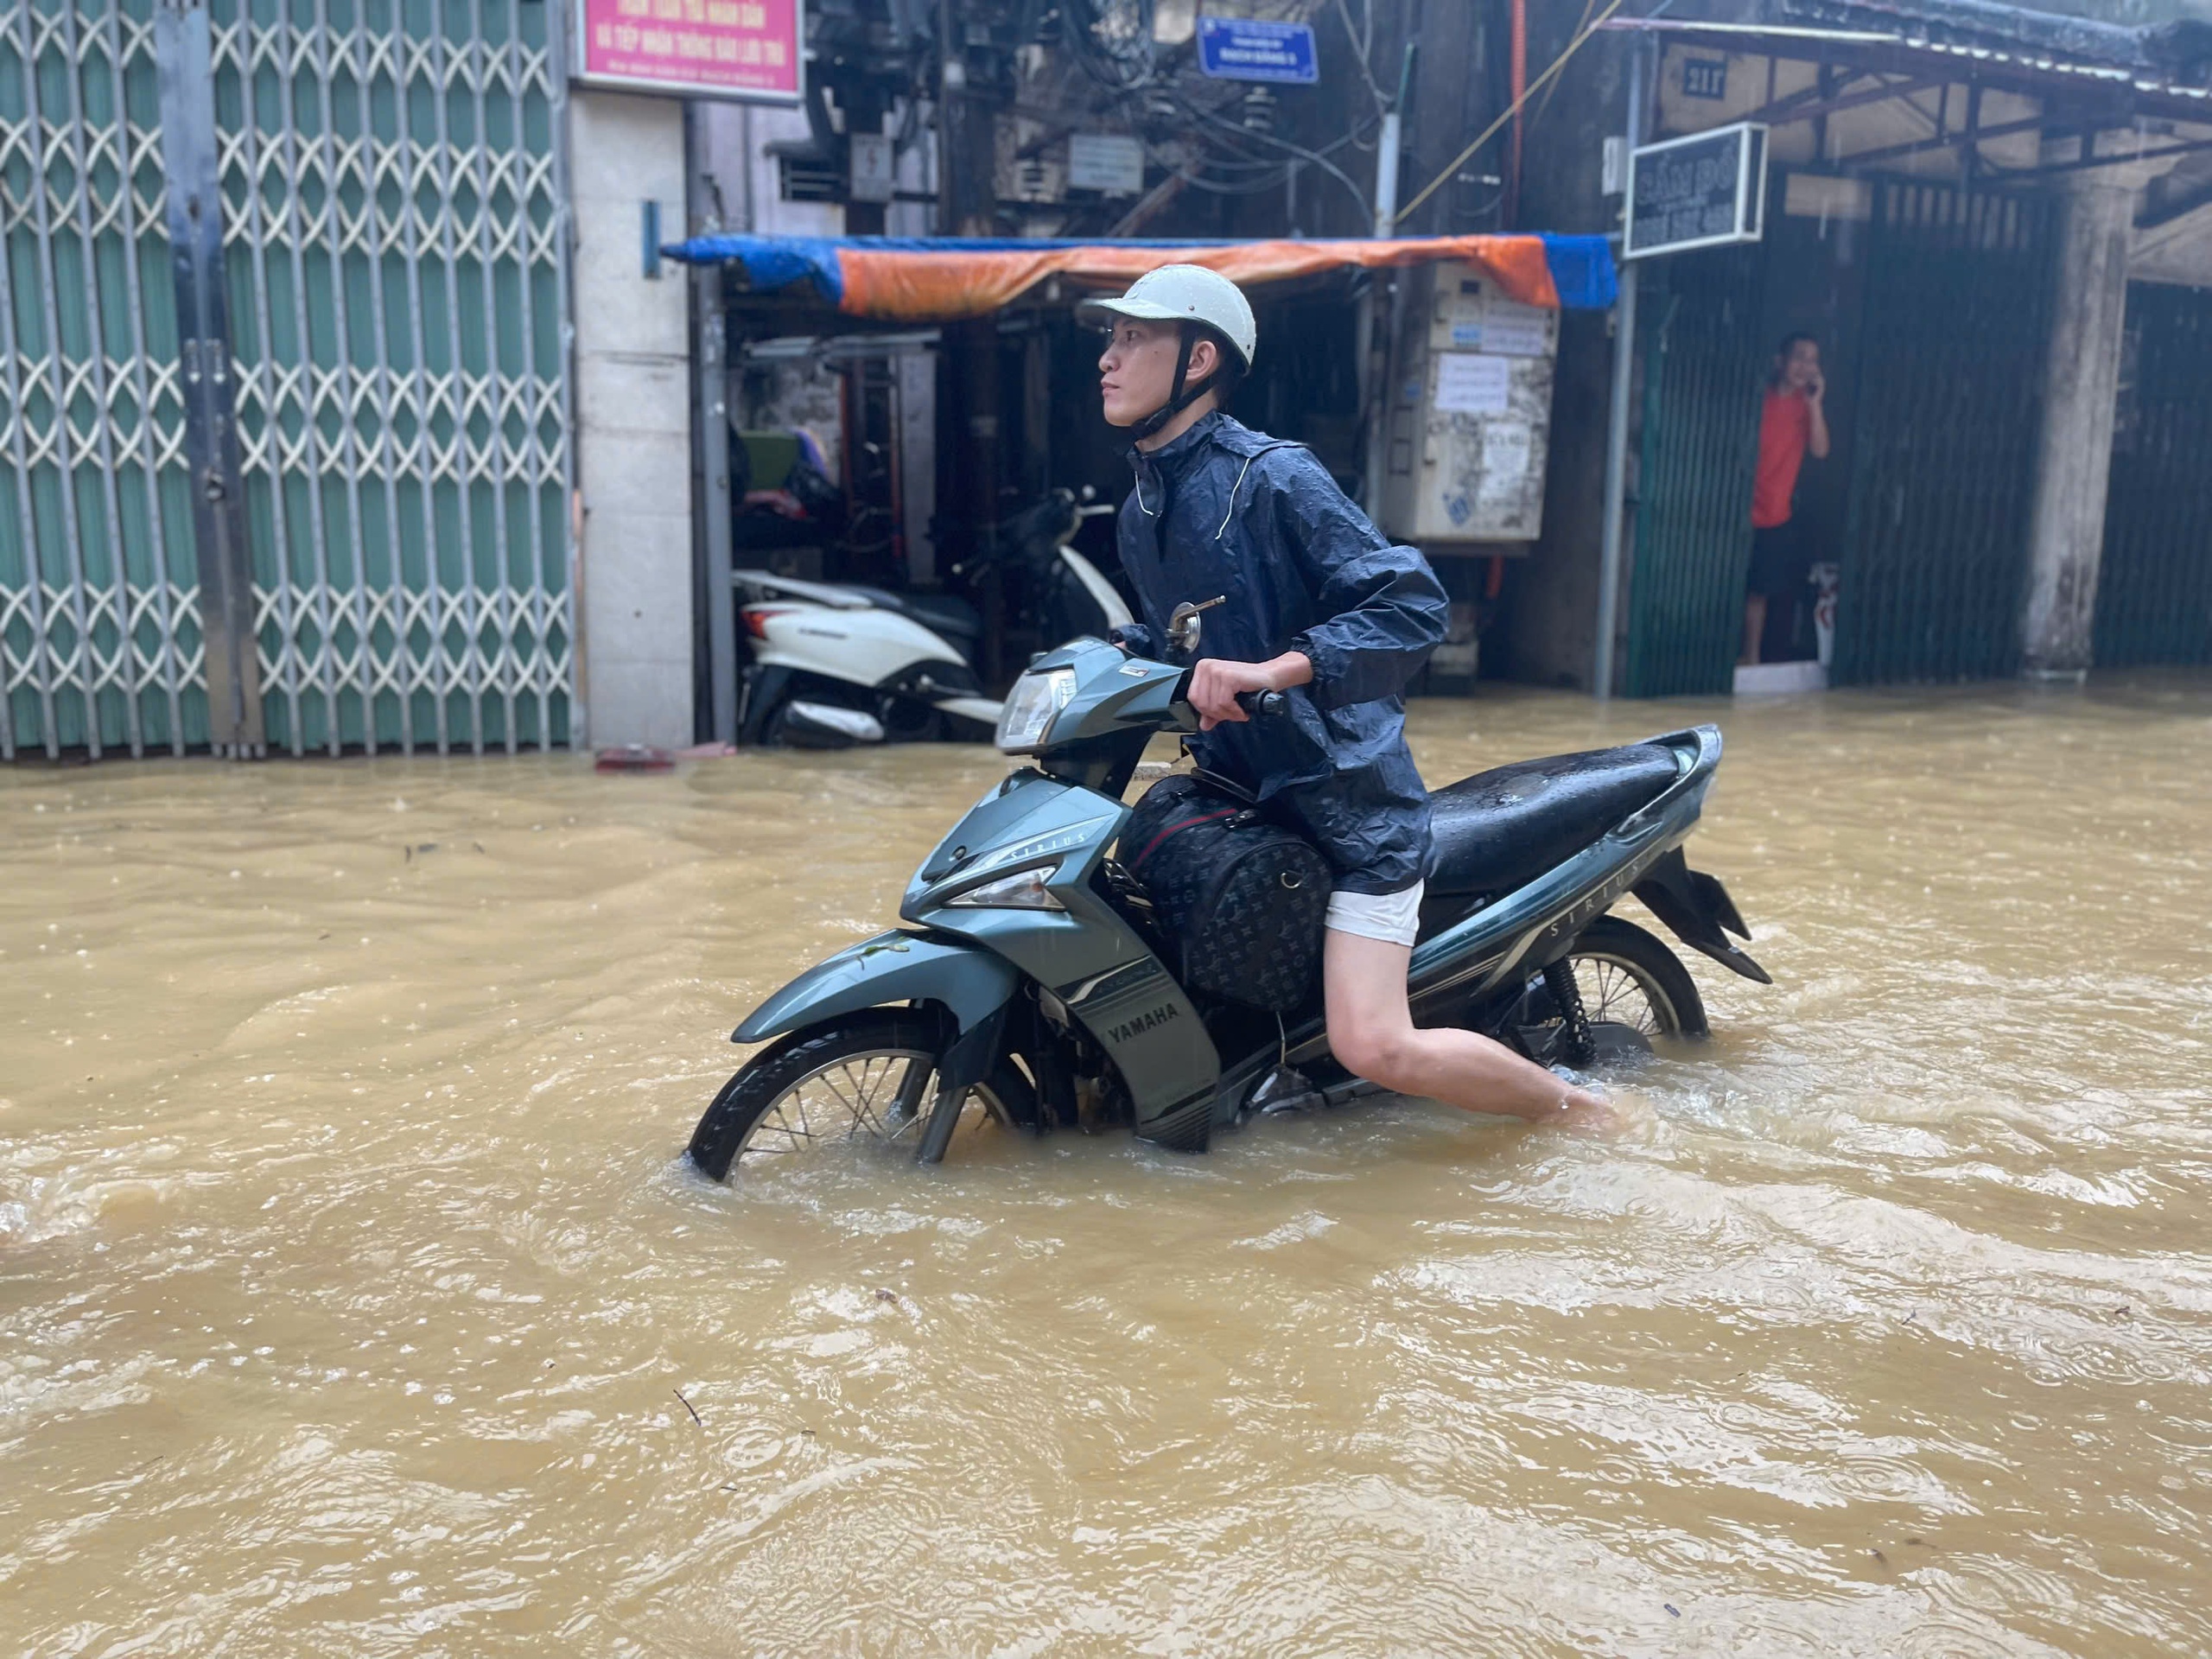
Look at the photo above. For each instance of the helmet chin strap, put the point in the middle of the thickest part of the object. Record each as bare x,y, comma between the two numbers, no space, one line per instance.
1180,397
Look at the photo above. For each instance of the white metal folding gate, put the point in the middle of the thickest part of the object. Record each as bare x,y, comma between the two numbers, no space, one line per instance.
283,387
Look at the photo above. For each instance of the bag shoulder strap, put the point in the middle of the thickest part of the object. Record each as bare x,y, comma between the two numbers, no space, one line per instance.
1179,825
1220,785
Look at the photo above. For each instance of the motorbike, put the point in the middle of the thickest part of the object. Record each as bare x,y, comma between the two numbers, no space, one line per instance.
832,665
1030,981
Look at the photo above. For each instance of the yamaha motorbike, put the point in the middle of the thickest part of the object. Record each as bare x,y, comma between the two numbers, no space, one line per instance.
1030,981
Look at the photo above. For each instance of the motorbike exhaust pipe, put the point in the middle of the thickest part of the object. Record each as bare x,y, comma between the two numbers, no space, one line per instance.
825,726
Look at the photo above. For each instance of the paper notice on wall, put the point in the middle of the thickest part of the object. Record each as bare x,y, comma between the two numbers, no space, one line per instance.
1473,382
1511,329
1506,451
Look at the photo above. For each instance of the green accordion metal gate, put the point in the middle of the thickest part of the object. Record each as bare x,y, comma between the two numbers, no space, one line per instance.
2154,592
1951,363
1702,367
283,387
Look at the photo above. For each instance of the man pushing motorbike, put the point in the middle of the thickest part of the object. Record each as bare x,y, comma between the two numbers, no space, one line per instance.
1302,594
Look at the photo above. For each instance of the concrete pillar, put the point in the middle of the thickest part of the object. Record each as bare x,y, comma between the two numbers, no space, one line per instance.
918,463
2066,530
633,422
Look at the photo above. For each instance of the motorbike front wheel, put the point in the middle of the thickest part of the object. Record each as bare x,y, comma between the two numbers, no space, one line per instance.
861,1078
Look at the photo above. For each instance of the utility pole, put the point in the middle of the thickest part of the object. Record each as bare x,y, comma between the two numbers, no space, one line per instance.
863,118
1374,362
969,378
713,524
1609,539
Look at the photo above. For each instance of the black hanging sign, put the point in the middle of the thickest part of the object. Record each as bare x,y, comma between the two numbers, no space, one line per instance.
1698,192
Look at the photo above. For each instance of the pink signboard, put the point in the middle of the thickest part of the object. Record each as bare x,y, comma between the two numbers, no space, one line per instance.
708,49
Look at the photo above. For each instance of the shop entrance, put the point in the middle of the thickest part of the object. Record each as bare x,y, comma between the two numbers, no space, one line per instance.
2154,593
1950,355
1929,306
847,467
1702,366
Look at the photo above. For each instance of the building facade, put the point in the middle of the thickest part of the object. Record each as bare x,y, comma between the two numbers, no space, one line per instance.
347,403
1998,225
285,386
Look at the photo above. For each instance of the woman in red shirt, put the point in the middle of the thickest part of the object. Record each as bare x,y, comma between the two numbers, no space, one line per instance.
1792,423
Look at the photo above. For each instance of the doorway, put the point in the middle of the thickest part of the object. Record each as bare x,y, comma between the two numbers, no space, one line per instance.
1931,305
2154,593
1954,327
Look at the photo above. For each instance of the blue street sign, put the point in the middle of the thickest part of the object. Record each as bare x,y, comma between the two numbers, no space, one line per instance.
1247,48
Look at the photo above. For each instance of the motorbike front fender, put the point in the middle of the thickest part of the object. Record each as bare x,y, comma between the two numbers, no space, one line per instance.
896,967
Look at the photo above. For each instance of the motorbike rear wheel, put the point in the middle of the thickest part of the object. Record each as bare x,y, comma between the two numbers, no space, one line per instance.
863,1078
1628,977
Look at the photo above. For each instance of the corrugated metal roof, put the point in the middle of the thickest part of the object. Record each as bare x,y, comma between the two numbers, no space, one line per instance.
2016,69
1987,23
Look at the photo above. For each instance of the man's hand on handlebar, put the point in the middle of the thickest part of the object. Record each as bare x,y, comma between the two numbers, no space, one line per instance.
1215,684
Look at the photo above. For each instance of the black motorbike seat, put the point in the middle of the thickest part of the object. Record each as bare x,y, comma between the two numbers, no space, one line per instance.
1504,827
954,618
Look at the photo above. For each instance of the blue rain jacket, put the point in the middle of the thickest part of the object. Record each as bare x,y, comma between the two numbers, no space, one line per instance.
1225,511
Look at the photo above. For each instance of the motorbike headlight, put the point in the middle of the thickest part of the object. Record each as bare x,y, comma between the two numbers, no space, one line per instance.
1023,890
1036,697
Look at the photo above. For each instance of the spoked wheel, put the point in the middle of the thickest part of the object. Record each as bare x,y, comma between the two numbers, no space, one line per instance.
864,1080
1634,991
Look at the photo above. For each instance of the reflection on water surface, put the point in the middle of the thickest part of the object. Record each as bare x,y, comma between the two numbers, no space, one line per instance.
348,1280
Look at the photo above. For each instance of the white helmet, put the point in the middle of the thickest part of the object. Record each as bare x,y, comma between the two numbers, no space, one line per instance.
1182,293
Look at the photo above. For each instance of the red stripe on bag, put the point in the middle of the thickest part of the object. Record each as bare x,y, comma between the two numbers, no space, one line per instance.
1152,846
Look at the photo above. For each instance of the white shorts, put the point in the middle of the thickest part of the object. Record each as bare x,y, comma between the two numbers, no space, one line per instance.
1393,917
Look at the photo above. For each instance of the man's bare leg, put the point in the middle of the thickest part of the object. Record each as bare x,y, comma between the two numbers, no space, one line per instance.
1754,630
1372,1032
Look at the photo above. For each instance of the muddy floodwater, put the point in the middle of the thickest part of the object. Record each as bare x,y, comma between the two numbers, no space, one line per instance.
349,1274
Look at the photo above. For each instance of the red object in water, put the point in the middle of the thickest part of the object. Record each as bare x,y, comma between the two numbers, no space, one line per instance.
634,757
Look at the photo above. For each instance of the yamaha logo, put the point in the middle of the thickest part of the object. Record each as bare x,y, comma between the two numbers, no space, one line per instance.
1143,1022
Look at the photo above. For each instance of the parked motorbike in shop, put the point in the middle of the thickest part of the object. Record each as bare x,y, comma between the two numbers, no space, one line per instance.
1031,981
833,664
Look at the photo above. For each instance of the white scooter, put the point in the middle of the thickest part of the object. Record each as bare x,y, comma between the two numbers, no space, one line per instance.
832,666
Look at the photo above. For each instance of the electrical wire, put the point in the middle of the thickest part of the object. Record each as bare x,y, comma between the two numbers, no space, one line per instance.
1235,137
1272,176
1316,157
1101,65
1491,131
1359,54
1580,24
1264,187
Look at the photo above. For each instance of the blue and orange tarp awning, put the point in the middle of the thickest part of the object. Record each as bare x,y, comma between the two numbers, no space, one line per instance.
942,279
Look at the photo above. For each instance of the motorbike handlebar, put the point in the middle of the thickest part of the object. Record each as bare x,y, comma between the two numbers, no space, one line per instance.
1257,705
1261,706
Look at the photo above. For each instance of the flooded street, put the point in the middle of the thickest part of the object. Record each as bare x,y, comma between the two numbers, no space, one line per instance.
349,1274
